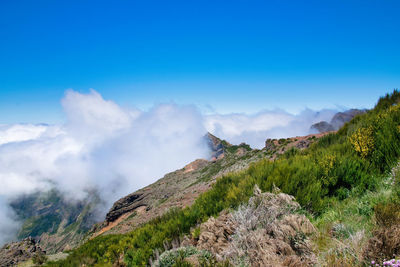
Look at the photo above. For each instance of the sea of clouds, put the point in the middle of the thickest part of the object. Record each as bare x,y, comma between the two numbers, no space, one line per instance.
116,151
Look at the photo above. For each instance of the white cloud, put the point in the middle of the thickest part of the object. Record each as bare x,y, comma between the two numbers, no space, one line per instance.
90,116
18,133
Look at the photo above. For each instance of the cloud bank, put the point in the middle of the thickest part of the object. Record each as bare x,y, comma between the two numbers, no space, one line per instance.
101,146
256,128
116,151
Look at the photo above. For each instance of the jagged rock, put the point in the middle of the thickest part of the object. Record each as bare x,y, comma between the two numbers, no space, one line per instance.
303,144
124,205
215,144
13,253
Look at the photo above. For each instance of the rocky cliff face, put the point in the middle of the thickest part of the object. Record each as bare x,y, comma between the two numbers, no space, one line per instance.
216,146
126,204
338,120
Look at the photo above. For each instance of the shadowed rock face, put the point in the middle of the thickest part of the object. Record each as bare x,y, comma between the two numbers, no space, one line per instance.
215,145
124,205
13,253
337,121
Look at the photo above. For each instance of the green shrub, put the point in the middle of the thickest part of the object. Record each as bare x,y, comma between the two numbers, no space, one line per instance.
176,257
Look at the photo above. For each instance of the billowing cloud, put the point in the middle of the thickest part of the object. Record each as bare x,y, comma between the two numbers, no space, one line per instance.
116,151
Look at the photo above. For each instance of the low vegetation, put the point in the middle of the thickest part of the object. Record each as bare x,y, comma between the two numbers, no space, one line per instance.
341,182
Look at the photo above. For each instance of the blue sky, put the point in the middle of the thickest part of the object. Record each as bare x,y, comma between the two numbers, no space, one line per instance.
224,56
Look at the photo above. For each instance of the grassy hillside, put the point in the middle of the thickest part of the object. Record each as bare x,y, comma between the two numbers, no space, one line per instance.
334,174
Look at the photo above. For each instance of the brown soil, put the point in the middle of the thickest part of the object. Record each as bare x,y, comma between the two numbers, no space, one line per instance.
111,225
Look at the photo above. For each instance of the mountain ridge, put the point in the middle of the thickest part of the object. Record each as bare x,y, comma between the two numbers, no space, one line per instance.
337,121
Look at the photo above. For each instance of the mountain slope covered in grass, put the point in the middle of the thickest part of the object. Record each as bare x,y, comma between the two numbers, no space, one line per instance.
343,175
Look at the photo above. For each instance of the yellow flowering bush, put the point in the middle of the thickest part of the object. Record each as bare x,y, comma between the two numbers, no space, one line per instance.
327,163
363,141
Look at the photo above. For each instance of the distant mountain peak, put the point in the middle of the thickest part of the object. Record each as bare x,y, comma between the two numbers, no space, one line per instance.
337,121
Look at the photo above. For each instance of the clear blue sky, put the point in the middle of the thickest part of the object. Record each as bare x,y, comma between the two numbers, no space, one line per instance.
224,56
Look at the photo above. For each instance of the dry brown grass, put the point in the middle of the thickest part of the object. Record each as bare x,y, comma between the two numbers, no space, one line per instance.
385,244
387,214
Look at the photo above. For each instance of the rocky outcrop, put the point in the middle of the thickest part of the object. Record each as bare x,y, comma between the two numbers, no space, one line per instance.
126,204
216,146
13,253
302,144
322,127
338,120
